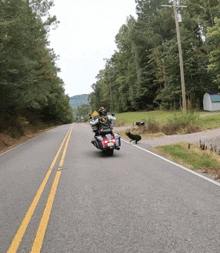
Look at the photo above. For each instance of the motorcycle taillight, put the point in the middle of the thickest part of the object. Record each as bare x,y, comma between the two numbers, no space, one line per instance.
105,141
114,140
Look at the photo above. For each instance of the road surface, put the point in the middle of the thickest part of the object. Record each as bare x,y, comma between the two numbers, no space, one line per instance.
58,193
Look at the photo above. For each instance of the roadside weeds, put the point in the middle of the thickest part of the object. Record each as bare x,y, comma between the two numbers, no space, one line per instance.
8,142
191,156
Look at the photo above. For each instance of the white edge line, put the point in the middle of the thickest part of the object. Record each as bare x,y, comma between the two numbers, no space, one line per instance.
176,164
26,141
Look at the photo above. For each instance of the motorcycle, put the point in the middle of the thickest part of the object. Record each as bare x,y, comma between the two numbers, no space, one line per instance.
106,140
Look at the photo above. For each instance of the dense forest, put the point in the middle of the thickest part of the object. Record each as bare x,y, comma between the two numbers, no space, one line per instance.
29,81
144,71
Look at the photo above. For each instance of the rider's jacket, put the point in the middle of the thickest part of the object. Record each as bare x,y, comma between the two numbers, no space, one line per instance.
102,123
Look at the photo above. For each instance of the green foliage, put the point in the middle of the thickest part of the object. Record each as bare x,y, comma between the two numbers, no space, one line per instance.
144,72
158,115
81,113
210,122
166,122
194,159
183,119
185,122
28,77
214,40
152,126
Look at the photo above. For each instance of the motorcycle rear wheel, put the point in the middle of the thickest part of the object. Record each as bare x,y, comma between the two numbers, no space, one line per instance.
109,152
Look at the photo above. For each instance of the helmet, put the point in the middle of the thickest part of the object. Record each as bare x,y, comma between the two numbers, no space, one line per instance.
102,111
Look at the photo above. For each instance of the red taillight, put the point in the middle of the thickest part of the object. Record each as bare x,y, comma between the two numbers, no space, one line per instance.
113,140
105,141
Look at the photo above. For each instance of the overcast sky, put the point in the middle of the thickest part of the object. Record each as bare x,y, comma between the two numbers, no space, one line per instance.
84,37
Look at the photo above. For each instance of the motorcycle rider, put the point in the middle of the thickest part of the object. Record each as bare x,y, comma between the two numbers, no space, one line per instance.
104,138
104,122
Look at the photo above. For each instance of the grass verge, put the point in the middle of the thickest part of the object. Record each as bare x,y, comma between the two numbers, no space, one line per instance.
159,123
209,122
194,158
160,116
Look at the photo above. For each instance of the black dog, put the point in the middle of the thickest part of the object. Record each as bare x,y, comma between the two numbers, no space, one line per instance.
133,137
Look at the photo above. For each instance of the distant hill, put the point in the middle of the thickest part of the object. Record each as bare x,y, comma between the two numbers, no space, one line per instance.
79,100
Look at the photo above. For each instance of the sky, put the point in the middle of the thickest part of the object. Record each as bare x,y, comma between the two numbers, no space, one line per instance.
85,37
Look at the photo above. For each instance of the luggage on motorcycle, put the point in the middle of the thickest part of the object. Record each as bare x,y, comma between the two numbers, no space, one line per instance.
99,141
118,139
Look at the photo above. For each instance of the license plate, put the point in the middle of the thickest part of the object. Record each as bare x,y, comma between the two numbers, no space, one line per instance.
110,144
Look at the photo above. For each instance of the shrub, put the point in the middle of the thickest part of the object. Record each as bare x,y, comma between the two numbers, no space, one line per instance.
185,123
152,126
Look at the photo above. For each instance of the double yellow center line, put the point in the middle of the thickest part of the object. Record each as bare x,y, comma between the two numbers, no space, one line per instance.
38,241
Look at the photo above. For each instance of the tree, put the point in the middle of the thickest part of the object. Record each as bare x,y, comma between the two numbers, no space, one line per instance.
144,71
213,39
28,70
81,113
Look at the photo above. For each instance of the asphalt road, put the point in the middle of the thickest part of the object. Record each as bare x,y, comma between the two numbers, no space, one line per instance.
78,200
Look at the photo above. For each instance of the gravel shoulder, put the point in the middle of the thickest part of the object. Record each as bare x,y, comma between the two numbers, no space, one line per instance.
208,137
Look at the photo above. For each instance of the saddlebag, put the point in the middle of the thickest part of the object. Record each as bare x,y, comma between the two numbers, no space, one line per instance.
99,141
118,139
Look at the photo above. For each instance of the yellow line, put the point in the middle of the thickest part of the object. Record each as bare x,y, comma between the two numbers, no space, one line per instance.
20,232
46,215
64,151
38,242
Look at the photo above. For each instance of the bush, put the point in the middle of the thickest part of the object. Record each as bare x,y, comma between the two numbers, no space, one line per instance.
152,126
185,123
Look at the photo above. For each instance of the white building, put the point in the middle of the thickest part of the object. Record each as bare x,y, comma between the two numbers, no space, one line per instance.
211,101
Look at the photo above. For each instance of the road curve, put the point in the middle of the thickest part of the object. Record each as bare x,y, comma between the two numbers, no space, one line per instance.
131,202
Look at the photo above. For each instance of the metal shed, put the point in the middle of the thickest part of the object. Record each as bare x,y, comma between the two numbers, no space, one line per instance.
211,101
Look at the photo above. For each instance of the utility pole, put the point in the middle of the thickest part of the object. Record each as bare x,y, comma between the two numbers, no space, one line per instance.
180,52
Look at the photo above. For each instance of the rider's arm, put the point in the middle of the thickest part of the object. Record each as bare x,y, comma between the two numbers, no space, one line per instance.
94,121
110,117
